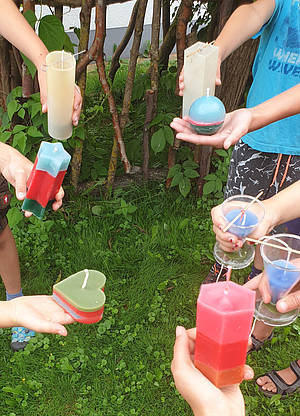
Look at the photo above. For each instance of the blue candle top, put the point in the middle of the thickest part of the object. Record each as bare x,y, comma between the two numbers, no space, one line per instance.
52,158
282,275
207,110
244,225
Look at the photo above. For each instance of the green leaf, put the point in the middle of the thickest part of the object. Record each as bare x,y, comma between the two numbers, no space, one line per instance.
209,187
157,120
19,141
158,141
17,92
30,66
5,136
34,132
178,177
77,32
34,108
52,33
21,113
12,108
221,152
17,128
30,17
97,210
190,173
190,164
218,185
68,45
185,186
210,177
14,216
169,136
174,169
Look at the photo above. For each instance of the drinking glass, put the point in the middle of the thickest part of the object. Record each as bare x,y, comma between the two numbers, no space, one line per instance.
282,271
244,225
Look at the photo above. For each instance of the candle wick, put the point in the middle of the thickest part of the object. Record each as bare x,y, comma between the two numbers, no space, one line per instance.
207,92
85,279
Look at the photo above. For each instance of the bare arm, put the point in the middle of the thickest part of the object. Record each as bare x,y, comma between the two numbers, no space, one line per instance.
244,23
15,28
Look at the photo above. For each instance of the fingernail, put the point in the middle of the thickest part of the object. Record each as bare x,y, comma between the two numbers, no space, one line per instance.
44,108
248,374
220,227
61,333
179,331
21,195
76,107
75,122
231,240
236,245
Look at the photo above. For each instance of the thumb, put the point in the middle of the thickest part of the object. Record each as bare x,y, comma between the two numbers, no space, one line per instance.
181,349
20,183
289,302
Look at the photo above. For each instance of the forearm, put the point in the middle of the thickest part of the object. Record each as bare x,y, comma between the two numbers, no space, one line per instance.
15,28
7,315
283,105
244,23
4,155
285,205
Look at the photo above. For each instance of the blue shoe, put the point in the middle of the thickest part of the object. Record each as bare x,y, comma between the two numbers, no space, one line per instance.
20,337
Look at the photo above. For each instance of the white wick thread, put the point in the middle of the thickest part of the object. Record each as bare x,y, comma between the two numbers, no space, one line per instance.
85,279
207,92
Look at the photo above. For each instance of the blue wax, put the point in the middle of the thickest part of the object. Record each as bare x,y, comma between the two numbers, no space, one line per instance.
244,225
52,158
280,280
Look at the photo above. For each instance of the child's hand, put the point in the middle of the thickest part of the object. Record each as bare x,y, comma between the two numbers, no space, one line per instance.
203,397
228,242
39,313
181,82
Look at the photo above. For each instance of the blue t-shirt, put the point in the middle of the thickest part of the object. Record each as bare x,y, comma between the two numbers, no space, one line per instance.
276,68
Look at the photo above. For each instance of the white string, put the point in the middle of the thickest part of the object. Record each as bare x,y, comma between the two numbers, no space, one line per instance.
222,266
85,279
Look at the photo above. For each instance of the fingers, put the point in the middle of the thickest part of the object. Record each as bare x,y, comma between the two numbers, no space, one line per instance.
181,356
76,105
20,183
58,199
53,328
228,241
248,373
289,302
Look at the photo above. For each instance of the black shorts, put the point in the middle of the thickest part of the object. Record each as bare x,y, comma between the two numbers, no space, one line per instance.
252,171
5,197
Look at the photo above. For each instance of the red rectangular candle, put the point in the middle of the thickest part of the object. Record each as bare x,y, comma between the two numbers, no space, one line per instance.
224,316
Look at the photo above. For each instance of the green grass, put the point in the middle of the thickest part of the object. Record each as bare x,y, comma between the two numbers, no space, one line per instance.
155,259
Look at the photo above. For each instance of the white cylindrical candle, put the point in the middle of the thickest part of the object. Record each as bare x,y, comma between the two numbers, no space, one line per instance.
60,93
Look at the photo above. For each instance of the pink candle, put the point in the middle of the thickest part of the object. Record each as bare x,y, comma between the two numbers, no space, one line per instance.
224,316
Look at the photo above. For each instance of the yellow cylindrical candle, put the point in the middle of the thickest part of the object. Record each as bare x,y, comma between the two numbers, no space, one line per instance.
60,93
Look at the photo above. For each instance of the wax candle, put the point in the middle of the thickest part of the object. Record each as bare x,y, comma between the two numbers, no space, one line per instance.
60,67
200,69
224,316
82,295
282,275
46,177
244,225
206,115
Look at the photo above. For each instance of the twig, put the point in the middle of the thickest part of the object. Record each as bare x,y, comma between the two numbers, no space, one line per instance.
289,249
242,212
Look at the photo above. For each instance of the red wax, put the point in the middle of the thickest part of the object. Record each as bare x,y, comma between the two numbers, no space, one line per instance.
224,316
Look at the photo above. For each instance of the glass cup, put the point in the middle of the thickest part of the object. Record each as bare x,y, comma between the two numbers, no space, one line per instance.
60,68
282,271
244,225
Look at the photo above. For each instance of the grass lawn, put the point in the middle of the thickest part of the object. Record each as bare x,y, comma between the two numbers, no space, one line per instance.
153,247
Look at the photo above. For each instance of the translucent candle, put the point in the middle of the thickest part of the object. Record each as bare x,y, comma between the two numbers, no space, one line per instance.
60,67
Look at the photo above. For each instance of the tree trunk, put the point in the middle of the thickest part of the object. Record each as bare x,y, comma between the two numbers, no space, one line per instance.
166,17
183,19
101,32
132,62
146,132
85,20
27,80
4,71
115,61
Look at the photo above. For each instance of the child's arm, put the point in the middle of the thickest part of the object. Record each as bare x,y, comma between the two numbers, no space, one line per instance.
39,313
15,28
244,23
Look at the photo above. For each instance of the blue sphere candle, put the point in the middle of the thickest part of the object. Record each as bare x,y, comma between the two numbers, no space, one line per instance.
206,115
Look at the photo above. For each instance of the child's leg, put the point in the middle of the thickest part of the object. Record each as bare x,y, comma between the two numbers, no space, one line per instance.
9,266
